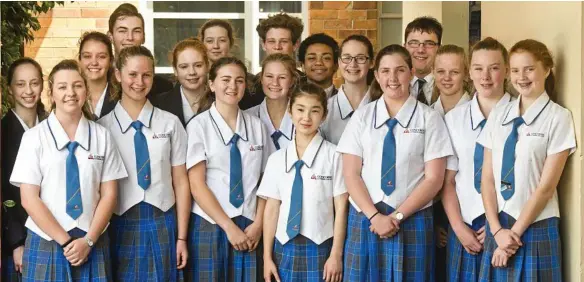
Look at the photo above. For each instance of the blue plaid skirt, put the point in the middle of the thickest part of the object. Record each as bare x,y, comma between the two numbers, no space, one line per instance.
407,256
462,266
9,273
539,259
211,256
300,259
144,245
44,261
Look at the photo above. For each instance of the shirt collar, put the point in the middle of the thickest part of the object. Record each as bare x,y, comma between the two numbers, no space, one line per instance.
404,116
329,90
24,125
440,109
99,105
286,125
309,154
82,134
428,78
223,128
531,113
344,105
476,116
125,121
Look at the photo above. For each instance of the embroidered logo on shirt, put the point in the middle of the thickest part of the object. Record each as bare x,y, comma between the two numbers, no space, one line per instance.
95,157
253,148
321,177
535,134
415,130
9,203
161,135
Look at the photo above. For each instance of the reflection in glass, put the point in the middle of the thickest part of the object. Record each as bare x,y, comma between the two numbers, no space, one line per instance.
280,6
199,6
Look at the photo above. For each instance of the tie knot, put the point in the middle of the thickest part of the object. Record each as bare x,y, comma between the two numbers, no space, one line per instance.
482,123
234,139
518,121
421,82
71,146
137,125
277,134
298,165
391,123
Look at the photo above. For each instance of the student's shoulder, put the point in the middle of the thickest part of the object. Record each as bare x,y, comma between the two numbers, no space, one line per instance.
457,114
253,119
201,120
163,115
560,113
253,110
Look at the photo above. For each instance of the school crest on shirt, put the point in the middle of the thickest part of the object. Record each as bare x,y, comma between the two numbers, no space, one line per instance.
253,148
321,177
95,157
415,130
161,135
535,134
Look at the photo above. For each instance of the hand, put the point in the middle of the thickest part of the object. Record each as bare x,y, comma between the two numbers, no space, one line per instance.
384,225
333,269
77,251
270,270
237,238
254,234
508,241
481,235
17,256
441,237
500,258
468,239
182,254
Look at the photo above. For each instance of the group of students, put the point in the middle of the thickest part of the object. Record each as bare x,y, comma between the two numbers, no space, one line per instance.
227,176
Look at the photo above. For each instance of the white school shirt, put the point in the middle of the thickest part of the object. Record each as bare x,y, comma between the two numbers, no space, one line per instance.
337,118
209,139
24,126
548,130
437,106
329,91
428,87
166,139
99,105
420,136
188,112
322,180
463,126
42,159
286,126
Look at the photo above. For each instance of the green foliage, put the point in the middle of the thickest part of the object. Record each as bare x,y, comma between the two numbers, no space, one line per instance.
19,21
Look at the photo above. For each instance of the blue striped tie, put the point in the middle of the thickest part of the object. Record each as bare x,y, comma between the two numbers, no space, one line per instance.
478,161
235,174
295,215
275,136
388,160
508,166
142,156
74,203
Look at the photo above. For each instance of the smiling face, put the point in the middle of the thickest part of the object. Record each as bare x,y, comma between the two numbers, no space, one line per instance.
276,81
319,64
68,92
354,72
393,76
191,69
127,31
26,86
528,75
95,60
279,40
423,54
229,84
449,73
136,77
488,72
216,39
307,114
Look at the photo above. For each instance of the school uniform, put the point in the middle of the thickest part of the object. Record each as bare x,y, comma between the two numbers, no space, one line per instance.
48,159
545,129
105,104
464,124
160,84
144,227
253,95
331,91
175,102
303,244
437,106
421,88
13,214
231,157
280,137
339,114
418,136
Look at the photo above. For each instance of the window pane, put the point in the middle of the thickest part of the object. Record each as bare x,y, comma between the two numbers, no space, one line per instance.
391,7
391,32
199,6
167,32
281,6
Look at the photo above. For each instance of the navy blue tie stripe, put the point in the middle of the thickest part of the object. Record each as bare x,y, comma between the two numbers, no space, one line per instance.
295,215
388,160
478,161
142,156
275,136
507,168
235,174
74,206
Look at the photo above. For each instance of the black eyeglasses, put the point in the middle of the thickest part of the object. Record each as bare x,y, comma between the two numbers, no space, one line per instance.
360,59
425,44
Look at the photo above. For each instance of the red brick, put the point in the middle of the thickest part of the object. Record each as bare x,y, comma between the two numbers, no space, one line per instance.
95,13
324,14
372,35
316,5
331,32
48,14
59,12
372,14
347,32
353,15
316,26
81,23
366,24
337,24
102,23
52,22
336,5
364,5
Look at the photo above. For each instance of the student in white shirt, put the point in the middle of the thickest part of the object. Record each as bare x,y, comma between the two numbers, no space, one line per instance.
355,62
527,144
66,168
319,55
461,196
394,157
226,157
152,143
96,58
191,94
306,209
450,79
279,80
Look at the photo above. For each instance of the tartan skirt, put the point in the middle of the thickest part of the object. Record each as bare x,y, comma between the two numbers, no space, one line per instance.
300,259
9,273
44,260
539,259
144,245
213,258
462,266
407,256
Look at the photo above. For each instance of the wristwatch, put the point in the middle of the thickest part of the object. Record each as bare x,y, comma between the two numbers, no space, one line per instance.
399,216
89,242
